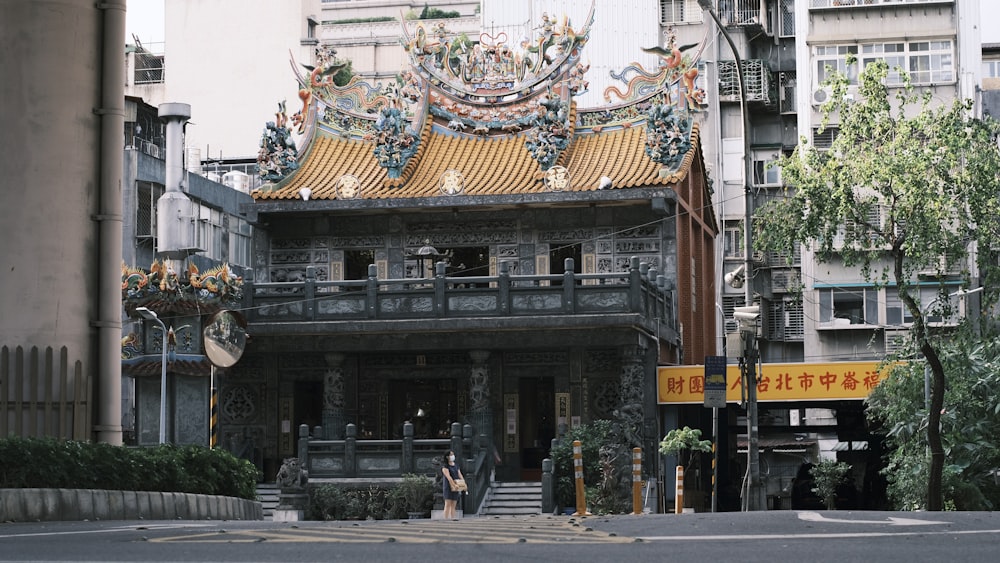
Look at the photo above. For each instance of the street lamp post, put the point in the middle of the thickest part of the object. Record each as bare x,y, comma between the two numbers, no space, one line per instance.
755,493
152,316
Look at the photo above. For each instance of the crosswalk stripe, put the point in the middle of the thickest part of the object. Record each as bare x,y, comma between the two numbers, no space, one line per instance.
465,531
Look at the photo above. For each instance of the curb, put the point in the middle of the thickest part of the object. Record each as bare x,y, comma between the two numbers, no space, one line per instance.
50,505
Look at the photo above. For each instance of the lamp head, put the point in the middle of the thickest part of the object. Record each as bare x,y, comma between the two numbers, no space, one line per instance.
146,313
736,278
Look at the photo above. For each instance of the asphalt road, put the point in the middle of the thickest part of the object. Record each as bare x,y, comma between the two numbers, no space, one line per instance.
762,536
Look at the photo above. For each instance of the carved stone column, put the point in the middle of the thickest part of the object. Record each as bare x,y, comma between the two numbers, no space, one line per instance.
630,413
480,414
333,397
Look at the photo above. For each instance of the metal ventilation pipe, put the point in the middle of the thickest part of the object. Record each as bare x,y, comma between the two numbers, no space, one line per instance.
174,230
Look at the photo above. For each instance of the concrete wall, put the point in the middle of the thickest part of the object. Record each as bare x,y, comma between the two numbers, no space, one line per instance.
46,505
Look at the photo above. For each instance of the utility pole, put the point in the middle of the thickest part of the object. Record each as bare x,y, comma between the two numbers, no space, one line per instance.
754,493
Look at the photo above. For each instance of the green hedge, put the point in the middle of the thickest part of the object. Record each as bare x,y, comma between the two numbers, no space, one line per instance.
58,464
415,493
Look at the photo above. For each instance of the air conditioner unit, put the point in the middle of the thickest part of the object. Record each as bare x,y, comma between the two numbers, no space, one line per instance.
821,96
895,340
932,270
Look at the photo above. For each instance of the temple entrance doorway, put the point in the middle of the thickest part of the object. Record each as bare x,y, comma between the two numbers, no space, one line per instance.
536,420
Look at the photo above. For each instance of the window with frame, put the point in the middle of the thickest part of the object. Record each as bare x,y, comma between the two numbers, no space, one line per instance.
209,231
732,242
765,171
834,57
894,55
848,306
240,233
936,310
931,62
991,69
896,314
927,62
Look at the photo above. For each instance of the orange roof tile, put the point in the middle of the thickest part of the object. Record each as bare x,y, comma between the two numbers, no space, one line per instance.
489,165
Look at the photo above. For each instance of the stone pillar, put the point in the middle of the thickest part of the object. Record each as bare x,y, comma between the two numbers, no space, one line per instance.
631,412
333,397
480,414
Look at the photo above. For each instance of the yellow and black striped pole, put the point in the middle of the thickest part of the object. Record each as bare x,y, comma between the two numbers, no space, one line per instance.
636,480
581,497
213,438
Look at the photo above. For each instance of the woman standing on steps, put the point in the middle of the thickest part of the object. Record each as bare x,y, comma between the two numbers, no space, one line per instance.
449,490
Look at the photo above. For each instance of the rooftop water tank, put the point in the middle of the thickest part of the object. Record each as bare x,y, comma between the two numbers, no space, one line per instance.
194,160
237,180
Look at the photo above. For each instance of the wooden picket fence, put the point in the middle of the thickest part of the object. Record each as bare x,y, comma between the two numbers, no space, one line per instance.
41,396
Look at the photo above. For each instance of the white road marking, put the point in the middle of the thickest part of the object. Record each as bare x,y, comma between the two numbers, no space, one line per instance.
746,537
106,530
817,517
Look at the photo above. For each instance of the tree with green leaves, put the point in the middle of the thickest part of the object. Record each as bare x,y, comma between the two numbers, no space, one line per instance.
909,184
828,477
970,424
684,442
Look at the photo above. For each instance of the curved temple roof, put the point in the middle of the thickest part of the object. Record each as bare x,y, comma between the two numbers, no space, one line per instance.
486,119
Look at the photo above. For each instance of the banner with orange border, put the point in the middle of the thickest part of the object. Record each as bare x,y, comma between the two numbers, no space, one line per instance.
777,382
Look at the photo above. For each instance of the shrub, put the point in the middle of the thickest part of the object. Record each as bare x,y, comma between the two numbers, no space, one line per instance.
337,502
51,463
829,475
591,436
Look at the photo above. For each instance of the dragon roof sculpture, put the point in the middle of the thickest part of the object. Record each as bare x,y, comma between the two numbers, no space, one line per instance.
485,109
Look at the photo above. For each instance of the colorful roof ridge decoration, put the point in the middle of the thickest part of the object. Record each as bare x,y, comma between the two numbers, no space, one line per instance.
497,117
218,285
278,156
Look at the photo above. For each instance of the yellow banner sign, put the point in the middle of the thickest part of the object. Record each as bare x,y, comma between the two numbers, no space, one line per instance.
777,382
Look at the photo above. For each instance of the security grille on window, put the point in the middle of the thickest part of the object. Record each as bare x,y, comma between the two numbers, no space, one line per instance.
788,86
785,321
729,304
786,18
823,139
757,81
680,11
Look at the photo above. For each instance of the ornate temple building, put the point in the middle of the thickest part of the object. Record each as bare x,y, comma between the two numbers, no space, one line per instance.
465,244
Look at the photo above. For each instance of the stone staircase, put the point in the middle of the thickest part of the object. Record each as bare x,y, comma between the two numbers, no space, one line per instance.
513,498
267,494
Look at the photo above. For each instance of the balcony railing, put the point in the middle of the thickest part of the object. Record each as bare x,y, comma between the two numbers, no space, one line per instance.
642,290
860,3
351,458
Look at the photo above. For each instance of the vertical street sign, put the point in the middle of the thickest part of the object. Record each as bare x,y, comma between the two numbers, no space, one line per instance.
715,382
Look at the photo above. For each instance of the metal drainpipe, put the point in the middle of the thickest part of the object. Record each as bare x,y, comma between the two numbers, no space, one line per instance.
108,422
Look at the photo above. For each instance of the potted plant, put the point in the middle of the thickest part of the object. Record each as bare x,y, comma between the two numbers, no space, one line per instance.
417,494
684,442
828,477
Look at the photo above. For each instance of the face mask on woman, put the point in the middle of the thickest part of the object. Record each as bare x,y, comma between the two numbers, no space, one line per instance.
451,458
